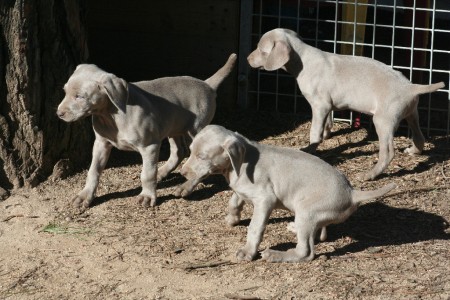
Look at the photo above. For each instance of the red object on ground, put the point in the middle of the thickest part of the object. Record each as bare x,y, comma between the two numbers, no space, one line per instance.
357,122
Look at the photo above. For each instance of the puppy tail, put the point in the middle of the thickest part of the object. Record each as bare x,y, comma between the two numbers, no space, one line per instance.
215,80
419,89
359,196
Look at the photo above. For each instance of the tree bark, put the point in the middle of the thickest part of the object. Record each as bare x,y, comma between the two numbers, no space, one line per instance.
41,42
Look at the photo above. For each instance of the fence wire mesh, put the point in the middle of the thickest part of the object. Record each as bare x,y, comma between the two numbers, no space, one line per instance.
411,36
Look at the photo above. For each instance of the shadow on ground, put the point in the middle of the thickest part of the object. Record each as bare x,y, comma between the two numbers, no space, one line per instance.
377,224
439,153
214,184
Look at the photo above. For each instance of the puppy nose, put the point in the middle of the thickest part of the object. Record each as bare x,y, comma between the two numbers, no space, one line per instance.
60,113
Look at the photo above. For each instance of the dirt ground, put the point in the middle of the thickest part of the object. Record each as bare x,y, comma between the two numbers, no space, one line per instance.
395,248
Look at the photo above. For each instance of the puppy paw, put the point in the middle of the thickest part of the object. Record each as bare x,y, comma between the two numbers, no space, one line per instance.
291,227
232,220
272,255
290,256
146,200
178,191
181,192
185,189
244,254
368,176
412,151
83,200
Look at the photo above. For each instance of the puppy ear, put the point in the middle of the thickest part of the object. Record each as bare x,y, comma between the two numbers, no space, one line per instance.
278,57
116,89
236,151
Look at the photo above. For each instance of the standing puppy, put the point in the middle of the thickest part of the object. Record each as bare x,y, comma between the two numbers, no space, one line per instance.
137,117
338,82
271,177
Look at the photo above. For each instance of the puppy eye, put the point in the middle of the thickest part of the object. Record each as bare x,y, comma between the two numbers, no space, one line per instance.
79,97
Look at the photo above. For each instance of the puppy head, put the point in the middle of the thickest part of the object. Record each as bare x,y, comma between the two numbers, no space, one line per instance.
214,150
91,90
273,50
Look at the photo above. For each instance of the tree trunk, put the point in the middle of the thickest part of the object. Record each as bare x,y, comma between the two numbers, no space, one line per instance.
41,42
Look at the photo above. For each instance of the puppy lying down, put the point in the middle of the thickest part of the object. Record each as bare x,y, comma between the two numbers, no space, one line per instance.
270,177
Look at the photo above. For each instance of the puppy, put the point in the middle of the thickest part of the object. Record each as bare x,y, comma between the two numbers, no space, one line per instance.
339,82
271,177
137,117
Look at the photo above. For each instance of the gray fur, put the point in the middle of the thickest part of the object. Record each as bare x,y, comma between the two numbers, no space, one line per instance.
338,82
271,177
137,117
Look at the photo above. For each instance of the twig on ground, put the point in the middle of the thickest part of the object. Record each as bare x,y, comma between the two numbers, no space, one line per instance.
240,297
12,217
351,255
204,265
18,216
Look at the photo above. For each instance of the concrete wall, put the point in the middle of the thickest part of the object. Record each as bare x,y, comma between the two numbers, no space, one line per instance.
138,39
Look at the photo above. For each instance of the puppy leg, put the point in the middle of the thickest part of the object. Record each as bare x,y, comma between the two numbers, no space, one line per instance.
261,213
417,136
150,156
304,250
235,206
100,155
322,236
177,153
320,115
385,130
328,126
186,188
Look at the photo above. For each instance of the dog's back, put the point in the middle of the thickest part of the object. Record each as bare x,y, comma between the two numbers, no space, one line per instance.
298,176
183,102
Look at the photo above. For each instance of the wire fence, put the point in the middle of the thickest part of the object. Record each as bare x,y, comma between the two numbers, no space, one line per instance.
411,36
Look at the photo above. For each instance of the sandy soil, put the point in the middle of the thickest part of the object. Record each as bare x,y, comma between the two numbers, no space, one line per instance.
395,248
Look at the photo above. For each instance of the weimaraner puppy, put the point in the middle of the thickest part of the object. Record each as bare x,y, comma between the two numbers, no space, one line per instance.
338,82
137,117
270,177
